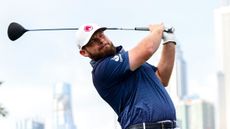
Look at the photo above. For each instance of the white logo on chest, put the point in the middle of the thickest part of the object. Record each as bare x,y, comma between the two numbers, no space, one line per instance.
117,58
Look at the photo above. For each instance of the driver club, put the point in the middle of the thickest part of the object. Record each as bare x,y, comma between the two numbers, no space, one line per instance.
16,30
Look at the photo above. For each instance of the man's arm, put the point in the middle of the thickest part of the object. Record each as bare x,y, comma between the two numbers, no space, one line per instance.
146,47
166,62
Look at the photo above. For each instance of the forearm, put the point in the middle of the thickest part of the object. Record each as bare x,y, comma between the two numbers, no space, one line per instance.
150,44
166,63
146,47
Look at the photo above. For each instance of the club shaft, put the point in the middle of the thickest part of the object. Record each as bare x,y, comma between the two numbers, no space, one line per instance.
170,30
136,28
53,29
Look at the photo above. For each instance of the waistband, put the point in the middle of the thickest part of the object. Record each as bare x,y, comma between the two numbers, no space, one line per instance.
167,124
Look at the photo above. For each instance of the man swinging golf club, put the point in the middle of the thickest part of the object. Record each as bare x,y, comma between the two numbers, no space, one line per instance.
134,88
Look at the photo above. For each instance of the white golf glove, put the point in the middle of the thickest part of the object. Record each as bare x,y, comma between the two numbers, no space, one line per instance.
168,38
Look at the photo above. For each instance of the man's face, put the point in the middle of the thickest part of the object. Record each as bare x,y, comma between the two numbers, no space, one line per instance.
99,46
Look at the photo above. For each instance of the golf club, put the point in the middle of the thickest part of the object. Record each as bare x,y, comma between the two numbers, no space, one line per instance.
16,30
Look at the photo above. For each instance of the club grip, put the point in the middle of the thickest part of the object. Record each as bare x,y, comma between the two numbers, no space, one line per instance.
141,28
168,30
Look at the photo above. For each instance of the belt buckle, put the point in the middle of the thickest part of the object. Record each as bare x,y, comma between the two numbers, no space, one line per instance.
143,125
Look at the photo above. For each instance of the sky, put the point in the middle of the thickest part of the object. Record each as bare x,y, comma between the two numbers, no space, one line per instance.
33,64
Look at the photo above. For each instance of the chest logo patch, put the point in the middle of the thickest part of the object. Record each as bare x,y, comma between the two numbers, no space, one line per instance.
117,58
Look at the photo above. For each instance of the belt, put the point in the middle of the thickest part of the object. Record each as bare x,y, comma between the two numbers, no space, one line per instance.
158,125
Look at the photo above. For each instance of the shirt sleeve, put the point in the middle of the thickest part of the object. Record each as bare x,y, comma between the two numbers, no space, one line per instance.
153,67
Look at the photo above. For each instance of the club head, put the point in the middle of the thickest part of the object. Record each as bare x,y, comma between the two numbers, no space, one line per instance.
15,31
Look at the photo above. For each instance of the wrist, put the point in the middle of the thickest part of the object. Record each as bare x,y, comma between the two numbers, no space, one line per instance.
169,42
168,38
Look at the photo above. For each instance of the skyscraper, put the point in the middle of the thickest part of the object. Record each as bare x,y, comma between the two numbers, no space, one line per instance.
178,86
178,82
63,118
30,124
222,39
181,74
196,114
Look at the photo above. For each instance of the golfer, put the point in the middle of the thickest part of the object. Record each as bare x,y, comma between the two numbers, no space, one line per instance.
134,88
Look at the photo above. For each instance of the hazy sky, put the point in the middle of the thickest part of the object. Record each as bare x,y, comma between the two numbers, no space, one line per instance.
31,65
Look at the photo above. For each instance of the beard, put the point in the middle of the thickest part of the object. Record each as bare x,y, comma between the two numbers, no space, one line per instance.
105,51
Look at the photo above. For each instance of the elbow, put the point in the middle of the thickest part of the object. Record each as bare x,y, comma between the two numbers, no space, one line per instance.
165,84
163,79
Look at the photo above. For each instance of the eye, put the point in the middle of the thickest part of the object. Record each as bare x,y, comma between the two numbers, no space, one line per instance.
93,42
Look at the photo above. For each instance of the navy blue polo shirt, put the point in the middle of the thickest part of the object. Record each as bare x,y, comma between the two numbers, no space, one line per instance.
136,96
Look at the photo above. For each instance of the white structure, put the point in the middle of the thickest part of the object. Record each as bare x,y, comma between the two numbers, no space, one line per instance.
178,85
63,118
30,124
196,114
178,82
225,2
222,37
181,74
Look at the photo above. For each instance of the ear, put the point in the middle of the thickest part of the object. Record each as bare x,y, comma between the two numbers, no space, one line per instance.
84,53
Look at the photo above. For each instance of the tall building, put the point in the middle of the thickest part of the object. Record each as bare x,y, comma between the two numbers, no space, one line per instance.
196,114
178,85
178,81
182,115
30,124
181,74
221,109
63,118
222,39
